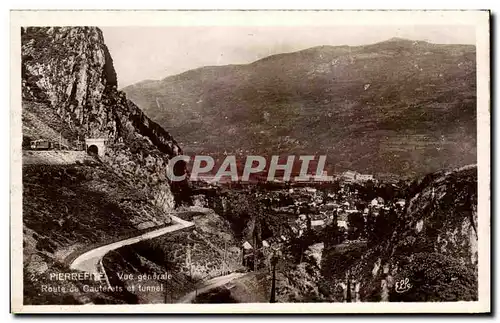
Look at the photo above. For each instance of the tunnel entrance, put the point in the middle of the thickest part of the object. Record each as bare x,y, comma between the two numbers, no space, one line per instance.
93,150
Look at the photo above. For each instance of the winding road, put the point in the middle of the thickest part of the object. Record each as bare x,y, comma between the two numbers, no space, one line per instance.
91,261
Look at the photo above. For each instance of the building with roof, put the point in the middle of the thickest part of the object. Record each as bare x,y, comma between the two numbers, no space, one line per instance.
349,176
364,177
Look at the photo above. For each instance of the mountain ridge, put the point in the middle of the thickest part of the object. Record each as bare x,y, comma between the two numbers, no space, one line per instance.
390,40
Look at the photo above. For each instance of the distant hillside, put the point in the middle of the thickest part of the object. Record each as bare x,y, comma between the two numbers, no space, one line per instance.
398,106
69,93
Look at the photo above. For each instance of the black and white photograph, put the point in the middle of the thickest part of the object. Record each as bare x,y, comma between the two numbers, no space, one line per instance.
312,161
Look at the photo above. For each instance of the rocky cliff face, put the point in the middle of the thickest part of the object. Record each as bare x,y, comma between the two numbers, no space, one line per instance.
69,83
432,255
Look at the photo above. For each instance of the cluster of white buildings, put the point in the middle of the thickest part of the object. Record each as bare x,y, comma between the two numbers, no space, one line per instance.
353,176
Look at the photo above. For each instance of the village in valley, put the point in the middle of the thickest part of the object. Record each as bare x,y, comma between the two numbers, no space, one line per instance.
345,210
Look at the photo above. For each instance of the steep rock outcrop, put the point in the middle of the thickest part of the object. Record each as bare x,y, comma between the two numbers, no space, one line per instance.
71,69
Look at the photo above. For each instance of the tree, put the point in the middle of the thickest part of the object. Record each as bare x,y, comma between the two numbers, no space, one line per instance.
160,254
371,220
382,228
332,235
244,212
274,262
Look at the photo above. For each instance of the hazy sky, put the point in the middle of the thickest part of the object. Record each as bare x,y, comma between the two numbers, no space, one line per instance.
141,53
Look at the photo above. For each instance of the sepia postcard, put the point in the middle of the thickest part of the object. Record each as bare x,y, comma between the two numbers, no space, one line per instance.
250,161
